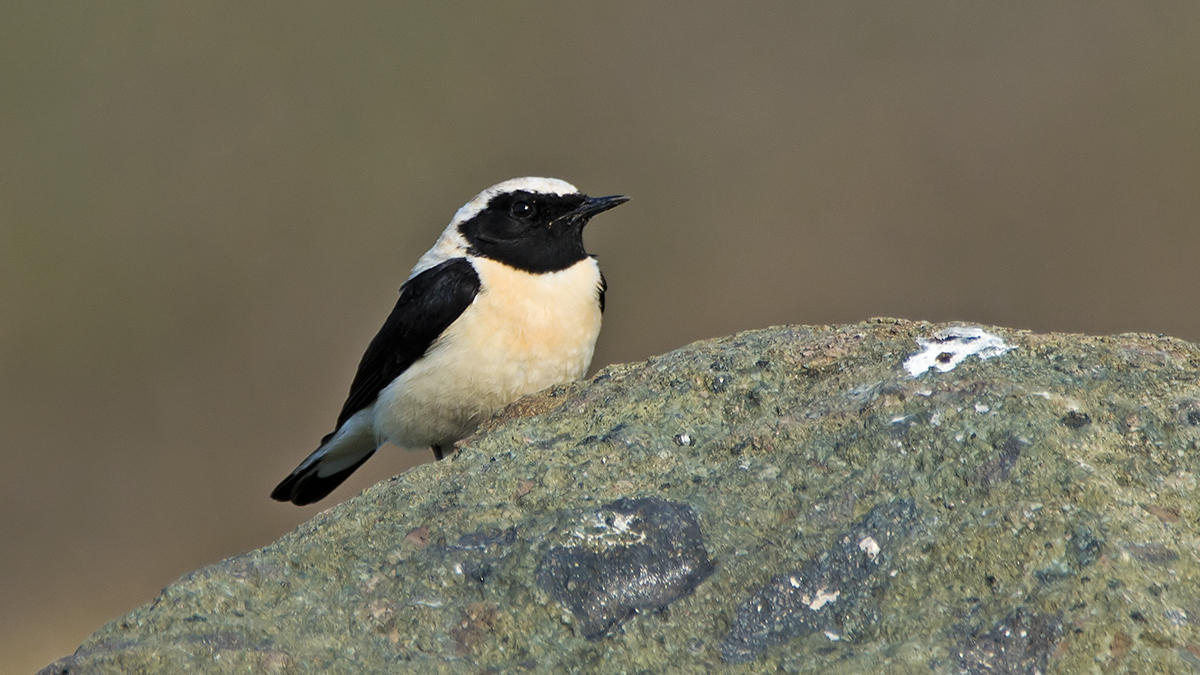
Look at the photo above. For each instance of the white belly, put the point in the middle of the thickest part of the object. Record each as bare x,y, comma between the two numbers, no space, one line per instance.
524,332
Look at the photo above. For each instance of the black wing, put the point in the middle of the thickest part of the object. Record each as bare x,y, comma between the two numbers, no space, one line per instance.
428,304
603,287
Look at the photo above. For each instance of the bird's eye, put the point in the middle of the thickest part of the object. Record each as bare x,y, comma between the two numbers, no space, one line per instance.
522,210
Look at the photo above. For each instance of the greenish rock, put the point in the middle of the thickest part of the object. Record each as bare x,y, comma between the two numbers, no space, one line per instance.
890,497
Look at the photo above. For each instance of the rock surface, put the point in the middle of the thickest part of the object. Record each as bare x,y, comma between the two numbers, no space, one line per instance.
885,497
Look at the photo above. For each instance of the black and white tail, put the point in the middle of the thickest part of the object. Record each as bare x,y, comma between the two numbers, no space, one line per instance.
341,452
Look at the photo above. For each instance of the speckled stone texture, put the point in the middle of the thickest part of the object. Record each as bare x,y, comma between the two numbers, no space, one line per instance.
888,497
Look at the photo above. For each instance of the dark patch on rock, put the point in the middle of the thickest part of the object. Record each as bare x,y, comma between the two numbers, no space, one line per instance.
1086,546
1166,514
1021,644
836,583
615,434
1076,420
1153,552
477,571
999,469
1049,576
545,443
485,538
631,555
1189,412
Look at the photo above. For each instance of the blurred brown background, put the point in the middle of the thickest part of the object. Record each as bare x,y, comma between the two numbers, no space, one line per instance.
206,210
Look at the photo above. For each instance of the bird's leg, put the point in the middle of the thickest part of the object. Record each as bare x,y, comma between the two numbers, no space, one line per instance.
437,452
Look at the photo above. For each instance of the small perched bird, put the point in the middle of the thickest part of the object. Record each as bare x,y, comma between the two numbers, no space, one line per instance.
506,303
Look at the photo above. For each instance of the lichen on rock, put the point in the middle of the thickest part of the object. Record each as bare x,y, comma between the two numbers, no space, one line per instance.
890,496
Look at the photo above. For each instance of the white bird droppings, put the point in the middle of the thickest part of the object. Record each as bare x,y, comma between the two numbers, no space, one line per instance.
948,348
823,598
870,547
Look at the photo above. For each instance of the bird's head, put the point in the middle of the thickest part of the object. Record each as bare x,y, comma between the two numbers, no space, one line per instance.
532,224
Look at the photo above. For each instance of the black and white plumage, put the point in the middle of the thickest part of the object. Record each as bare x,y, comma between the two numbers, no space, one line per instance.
506,303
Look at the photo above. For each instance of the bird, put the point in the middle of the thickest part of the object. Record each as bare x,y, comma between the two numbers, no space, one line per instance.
507,302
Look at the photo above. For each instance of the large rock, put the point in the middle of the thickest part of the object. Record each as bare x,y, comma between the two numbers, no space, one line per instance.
886,497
